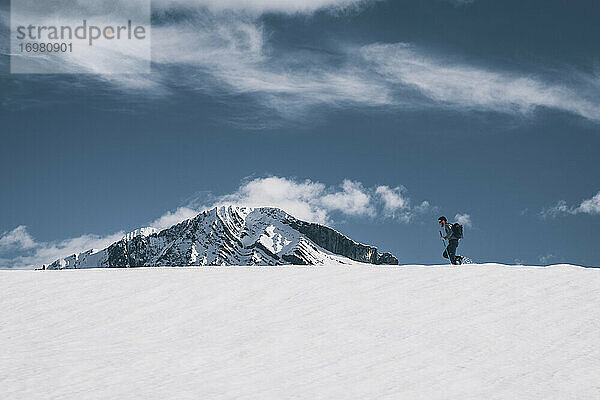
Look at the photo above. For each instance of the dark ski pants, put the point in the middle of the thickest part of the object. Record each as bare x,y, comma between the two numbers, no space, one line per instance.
451,250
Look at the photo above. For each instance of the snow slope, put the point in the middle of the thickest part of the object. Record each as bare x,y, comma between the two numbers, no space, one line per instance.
335,332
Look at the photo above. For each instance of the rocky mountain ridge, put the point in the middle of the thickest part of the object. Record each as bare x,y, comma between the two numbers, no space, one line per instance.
230,235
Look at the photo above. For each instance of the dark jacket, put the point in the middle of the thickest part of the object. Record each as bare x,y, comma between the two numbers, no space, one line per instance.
449,234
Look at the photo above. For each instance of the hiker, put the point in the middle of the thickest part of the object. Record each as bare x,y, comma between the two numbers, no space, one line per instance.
453,232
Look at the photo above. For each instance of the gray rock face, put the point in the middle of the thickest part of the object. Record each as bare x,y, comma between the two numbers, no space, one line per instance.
337,243
231,236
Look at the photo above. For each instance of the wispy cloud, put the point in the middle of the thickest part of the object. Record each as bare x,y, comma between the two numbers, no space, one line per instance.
397,204
308,200
561,208
264,6
235,52
224,48
230,53
462,86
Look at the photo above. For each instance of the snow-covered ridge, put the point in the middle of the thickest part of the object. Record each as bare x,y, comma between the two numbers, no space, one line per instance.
147,231
230,235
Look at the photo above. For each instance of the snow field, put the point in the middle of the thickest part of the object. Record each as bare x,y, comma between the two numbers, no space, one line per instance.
411,332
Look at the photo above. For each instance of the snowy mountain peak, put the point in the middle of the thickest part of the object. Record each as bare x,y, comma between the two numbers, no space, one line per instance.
231,235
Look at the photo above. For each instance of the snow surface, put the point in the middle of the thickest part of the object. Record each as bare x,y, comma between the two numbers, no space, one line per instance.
411,332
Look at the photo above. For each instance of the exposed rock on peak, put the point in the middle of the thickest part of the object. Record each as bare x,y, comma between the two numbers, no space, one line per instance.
230,235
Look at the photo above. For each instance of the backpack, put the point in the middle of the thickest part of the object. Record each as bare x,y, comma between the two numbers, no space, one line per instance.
457,230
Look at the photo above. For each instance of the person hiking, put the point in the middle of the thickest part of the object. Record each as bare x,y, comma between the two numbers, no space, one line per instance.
452,234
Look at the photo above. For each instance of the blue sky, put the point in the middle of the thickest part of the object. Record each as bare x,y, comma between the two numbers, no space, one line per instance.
374,117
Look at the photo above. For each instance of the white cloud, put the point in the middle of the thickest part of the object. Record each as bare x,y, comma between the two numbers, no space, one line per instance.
352,200
393,198
397,205
466,86
301,199
590,206
464,219
561,208
315,201
17,238
46,252
307,200
423,207
230,54
31,254
171,218
263,6
221,47
235,52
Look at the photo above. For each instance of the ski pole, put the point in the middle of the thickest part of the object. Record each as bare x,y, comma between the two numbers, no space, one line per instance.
444,242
